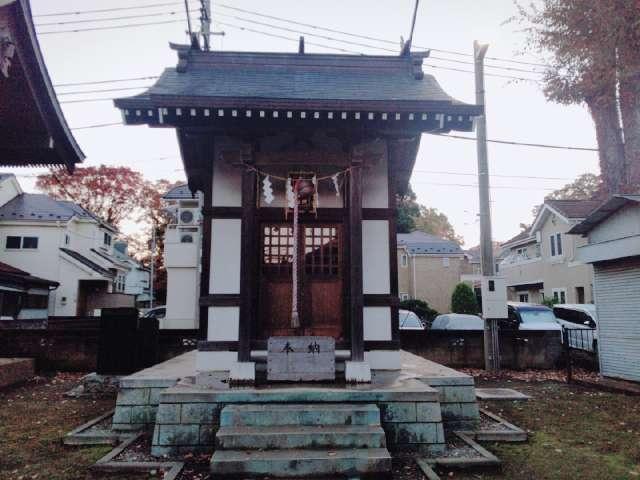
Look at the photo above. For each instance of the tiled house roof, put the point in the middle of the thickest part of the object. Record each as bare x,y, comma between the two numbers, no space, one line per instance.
420,243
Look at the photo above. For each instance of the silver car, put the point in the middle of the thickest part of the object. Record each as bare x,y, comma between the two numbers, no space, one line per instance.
410,321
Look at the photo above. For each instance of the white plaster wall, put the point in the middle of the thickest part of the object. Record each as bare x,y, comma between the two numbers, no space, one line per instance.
182,298
9,188
227,184
224,324
375,186
42,261
383,359
375,257
377,323
624,223
224,270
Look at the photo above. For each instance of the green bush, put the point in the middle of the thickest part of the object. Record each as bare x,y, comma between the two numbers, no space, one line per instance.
464,300
549,302
420,308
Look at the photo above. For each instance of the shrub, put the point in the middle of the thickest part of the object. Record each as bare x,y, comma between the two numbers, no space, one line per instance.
549,302
464,300
420,308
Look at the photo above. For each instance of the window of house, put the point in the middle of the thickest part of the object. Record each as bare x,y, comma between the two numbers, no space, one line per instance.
10,304
580,295
39,302
67,239
404,296
560,295
16,243
106,239
445,262
13,242
523,297
404,260
555,241
29,242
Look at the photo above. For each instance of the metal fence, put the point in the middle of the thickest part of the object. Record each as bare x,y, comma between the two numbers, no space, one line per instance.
578,340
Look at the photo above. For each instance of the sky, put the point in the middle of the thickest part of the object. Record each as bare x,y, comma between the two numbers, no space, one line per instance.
516,110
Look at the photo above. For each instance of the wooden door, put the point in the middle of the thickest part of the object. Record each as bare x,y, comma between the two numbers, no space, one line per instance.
320,273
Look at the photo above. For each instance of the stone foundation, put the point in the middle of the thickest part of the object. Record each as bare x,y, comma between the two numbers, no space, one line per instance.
16,370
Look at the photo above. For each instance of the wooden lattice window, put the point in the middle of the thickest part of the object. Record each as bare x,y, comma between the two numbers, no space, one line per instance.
321,251
277,249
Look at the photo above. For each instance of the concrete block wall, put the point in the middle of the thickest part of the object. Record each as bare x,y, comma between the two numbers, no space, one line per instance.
137,403
458,404
191,427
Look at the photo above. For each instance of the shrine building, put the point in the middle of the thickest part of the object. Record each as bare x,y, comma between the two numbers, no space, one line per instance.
299,158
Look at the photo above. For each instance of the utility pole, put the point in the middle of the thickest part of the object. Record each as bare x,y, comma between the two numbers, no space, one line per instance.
491,346
205,24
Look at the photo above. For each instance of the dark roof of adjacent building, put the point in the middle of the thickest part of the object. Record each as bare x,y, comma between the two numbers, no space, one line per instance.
475,256
179,192
13,276
574,209
87,262
37,206
615,203
421,243
35,132
294,80
523,235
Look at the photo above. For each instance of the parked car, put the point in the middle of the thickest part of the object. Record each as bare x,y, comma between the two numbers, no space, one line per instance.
527,316
410,321
156,312
457,321
581,321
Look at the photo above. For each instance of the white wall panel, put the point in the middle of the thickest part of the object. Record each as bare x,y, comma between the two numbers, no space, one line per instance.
223,324
375,186
375,257
377,323
224,274
227,185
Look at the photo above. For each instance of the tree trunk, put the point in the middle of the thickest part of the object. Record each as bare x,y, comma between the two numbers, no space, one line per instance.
629,75
610,144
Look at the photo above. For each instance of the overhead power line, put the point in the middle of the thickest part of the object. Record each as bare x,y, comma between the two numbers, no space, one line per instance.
111,19
93,29
367,37
473,174
100,82
104,10
523,144
103,90
97,125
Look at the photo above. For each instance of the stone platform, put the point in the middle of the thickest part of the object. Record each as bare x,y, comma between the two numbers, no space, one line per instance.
416,404
16,370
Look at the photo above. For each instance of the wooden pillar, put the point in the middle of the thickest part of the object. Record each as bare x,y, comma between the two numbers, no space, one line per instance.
355,252
249,258
393,245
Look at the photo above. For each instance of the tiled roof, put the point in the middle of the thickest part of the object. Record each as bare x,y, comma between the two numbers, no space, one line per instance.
615,203
574,208
179,192
15,276
86,262
36,206
521,236
285,79
423,243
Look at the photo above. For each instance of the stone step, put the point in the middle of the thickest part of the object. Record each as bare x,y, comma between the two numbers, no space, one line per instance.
293,436
265,415
295,463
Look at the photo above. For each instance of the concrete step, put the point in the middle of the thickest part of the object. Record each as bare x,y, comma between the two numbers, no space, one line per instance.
265,415
293,436
295,463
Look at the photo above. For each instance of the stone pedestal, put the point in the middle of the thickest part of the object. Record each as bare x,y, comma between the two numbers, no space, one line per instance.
357,372
301,359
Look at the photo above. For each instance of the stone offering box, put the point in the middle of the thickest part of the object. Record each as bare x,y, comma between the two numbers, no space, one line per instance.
305,359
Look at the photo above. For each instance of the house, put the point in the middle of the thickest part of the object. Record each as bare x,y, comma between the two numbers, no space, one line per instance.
137,278
475,261
62,242
182,254
23,296
540,262
429,268
34,131
612,247
299,157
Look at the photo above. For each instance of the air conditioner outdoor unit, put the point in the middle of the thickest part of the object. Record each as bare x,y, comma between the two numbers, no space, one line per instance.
188,216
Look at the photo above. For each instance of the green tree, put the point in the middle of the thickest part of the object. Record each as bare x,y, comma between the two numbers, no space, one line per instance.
412,215
463,300
420,308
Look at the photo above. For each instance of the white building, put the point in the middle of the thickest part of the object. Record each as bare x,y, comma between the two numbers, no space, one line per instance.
613,248
63,242
138,276
182,251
